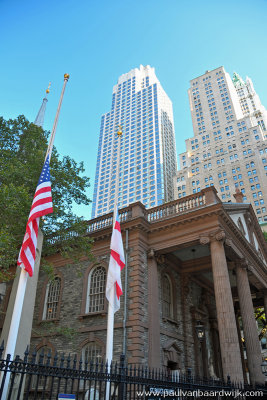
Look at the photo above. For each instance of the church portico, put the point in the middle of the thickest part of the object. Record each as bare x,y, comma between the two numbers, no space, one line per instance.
186,286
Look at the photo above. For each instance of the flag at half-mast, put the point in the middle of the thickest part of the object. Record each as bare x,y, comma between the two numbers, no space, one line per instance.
116,264
41,205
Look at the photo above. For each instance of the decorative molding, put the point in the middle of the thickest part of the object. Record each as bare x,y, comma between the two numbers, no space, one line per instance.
243,264
204,240
150,254
172,352
218,235
229,242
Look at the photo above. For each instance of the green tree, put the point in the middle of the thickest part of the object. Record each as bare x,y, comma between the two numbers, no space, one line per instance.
22,150
265,235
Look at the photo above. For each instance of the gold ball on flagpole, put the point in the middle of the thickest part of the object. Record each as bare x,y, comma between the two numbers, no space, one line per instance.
48,89
66,77
119,133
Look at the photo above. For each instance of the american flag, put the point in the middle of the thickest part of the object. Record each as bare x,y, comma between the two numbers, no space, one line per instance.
41,205
116,264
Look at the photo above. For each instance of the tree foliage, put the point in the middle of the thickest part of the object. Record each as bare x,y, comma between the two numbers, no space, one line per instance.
22,150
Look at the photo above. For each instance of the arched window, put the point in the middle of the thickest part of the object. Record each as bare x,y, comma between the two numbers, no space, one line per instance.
91,352
167,309
52,295
95,301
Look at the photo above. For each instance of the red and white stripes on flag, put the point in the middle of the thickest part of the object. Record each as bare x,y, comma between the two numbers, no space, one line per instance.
41,205
116,264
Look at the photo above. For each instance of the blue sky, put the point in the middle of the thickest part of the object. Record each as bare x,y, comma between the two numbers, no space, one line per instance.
97,41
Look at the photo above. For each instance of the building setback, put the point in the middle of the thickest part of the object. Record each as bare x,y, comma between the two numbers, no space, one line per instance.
229,147
147,156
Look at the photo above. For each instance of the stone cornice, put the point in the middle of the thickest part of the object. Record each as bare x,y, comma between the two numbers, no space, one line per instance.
249,215
232,235
257,266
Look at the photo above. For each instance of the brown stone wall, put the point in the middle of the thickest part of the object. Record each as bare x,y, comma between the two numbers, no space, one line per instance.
92,327
156,247
78,328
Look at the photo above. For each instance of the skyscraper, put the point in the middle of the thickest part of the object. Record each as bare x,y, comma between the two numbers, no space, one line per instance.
147,156
229,147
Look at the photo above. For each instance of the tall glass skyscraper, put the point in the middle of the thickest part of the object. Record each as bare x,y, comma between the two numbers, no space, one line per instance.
147,155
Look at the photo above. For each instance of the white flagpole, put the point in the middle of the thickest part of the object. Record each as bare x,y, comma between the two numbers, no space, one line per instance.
17,310
110,322
52,136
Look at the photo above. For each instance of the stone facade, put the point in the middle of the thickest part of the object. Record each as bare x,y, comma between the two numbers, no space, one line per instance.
182,259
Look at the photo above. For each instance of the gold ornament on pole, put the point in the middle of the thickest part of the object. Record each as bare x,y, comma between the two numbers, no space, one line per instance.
48,89
119,133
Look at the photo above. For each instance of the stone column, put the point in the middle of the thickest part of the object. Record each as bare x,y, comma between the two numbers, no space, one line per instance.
249,325
265,301
216,348
241,349
230,351
153,313
185,317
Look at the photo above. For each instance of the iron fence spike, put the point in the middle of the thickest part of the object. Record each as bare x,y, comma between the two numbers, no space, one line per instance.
26,354
106,367
2,348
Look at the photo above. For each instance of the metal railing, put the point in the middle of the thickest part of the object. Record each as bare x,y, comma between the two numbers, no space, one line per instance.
44,376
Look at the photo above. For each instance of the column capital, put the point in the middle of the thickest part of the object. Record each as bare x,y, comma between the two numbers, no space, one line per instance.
242,263
151,254
218,235
204,239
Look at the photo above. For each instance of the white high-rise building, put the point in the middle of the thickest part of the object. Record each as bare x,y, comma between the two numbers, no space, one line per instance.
148,154
229,147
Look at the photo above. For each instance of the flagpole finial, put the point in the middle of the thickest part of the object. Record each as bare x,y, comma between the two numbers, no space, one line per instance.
66,77
119,133
48,89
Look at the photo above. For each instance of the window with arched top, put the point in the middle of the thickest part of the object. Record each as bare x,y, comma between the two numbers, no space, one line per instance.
52,296
95,301
91,352
167,304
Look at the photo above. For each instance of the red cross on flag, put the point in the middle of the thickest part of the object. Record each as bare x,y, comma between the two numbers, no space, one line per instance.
116,264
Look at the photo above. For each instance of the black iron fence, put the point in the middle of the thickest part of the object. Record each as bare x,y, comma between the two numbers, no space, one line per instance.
46,377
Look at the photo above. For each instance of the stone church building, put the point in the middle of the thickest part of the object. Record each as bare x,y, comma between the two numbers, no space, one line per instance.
196,268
